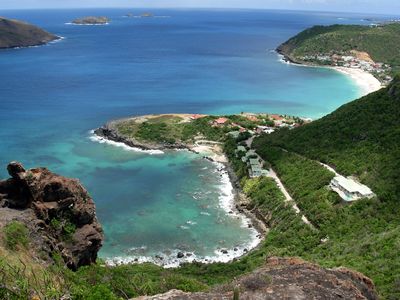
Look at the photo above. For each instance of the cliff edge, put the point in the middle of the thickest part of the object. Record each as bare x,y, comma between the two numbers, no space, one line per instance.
286,278
57,211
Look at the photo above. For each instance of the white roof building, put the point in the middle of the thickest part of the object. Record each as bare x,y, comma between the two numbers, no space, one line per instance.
349,189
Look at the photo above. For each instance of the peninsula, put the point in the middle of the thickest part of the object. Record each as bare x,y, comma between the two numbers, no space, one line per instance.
15,34
349,48
91,21
195,132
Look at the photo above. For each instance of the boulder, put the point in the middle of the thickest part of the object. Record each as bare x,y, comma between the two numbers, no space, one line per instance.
65,214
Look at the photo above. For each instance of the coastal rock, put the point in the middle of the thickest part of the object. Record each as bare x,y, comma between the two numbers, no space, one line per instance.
14,33
180,255
58,211
287,278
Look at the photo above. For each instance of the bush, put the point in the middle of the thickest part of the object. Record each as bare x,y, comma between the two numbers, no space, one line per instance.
16,234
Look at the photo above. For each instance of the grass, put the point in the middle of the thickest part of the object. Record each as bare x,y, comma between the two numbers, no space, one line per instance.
16,235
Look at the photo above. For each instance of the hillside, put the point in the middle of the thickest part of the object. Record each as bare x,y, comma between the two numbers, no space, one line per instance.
360,138
15,33
343,39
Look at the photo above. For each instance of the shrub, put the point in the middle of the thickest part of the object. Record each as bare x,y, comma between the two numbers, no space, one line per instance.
16,234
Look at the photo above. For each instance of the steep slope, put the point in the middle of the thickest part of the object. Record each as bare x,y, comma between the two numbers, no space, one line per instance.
15,33
360,138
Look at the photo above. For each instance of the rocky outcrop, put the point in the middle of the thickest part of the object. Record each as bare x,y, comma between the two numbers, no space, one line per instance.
110,132
58,211
91,21
287,278
15,33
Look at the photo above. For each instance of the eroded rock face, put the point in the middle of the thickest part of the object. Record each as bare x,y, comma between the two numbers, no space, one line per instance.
287,278
63,215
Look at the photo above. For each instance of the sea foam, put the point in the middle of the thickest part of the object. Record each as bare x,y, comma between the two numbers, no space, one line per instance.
98,139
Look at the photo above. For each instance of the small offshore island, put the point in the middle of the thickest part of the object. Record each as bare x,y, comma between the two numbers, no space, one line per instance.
16,34
91,21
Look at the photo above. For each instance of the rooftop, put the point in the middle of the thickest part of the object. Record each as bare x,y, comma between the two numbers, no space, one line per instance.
352,186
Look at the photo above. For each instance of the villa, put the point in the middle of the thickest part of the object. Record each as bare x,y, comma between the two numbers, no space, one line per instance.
250,153
255,168
220,121
349,189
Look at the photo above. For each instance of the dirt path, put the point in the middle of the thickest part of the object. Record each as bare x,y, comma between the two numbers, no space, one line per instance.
272,174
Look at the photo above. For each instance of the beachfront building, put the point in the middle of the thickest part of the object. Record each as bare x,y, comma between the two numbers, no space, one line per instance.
255,168
240,149
249,154
349,189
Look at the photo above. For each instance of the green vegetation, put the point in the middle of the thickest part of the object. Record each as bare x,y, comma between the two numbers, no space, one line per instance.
65,228
360,138
175,129
344,38
16,235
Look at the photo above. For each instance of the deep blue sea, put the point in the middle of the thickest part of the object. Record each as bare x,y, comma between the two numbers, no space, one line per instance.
192,61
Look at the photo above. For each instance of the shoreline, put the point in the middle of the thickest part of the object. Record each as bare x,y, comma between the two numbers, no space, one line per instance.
54,41
234,205
365,81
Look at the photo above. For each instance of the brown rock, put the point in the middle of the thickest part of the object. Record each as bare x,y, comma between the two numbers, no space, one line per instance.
58,204
287,278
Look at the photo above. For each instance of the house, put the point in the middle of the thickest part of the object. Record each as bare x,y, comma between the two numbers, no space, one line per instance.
252,118
349,189
220,121
257,171
240,149
234,134
277,117
265,129
196,116
250,153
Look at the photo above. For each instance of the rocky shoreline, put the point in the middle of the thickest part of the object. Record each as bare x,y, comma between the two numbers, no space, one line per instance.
240,201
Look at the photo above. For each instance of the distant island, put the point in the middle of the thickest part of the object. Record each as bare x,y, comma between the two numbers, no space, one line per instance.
14,34
143,15
147,15
348,46
91,21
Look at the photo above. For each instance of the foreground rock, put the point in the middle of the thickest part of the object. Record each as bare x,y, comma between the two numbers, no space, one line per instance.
91,21
15,33
287,278
58,212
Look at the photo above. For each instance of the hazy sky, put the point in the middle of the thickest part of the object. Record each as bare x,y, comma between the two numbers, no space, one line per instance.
369,6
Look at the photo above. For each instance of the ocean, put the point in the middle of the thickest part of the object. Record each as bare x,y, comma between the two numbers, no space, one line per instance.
182,61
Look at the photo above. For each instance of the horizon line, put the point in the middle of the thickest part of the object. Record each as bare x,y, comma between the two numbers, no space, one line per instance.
200,8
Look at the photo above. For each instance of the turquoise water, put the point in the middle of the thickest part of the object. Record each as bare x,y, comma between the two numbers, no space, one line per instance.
191,61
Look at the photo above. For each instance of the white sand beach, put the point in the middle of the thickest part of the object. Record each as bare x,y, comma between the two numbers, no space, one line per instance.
366,81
